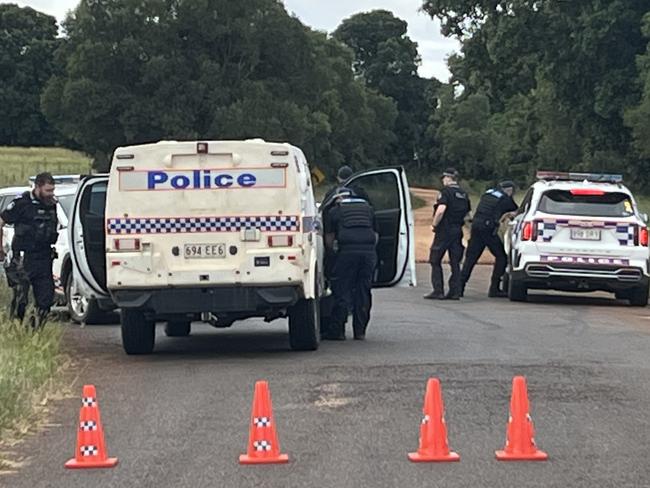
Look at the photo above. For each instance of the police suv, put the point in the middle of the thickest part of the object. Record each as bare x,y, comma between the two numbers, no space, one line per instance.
220,231
578,232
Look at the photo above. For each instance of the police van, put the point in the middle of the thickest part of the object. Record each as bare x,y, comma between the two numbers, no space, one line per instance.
220,231
579,232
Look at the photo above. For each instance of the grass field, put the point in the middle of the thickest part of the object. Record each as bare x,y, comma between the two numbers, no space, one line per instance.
29,363
17,164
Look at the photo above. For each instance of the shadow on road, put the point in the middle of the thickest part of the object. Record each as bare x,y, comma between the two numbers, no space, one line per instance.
570,299
202,345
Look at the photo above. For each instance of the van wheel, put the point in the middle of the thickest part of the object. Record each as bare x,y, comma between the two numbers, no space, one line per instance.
638,296
178,328
82,310
517,291
304,325
138,333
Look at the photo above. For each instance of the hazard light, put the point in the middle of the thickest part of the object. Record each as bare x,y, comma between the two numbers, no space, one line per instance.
280,241
528,232
587,192
643,236
130,244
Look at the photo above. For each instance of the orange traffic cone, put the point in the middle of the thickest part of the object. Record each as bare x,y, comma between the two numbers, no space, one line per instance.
263,445
434,446
91,449
520,440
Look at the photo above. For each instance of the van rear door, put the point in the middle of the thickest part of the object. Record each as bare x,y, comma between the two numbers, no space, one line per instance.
388,192
87,234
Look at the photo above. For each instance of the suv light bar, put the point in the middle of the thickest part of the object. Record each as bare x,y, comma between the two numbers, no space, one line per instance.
596,177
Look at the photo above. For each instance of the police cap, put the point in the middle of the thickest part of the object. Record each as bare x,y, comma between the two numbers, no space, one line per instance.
344,173
451,173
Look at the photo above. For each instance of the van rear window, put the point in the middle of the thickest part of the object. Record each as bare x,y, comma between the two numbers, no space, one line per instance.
607,204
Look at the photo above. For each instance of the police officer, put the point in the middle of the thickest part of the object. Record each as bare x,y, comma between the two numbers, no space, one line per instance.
353,237
448,218
35,222
494,204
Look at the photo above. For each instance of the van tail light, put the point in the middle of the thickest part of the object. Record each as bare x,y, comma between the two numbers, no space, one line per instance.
130,244
643,236
280,241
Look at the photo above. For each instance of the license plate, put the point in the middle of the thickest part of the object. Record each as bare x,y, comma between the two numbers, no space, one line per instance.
206,251
585,234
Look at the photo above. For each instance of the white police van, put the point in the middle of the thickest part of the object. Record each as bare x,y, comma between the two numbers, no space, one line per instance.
578,232
219,231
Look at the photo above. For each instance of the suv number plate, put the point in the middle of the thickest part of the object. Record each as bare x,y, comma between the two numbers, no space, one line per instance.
209,251
585,234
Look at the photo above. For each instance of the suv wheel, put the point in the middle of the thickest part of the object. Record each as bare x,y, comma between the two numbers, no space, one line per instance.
517,290
138,333
638,296
178,328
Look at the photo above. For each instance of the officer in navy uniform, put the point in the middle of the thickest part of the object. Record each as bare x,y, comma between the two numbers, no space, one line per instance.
494,204
352,235
35,222
448,218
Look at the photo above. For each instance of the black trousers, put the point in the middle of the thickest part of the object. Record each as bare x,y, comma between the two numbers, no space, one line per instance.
18,281
39,272
449,240
352,288
479,240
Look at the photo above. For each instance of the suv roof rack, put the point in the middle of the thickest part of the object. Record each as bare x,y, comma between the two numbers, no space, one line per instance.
594,177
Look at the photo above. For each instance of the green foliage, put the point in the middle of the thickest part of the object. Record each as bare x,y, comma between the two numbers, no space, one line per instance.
17,164
141,71
28,361
27,44
559,77
387,60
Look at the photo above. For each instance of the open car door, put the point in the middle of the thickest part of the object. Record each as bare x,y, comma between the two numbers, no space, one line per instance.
87,234
388,192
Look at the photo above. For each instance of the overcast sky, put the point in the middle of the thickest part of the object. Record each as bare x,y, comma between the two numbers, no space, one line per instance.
328,14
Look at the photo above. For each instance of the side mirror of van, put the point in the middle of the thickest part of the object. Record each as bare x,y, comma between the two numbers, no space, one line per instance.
644,217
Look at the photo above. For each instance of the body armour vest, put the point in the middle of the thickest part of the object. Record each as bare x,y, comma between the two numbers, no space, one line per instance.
356,225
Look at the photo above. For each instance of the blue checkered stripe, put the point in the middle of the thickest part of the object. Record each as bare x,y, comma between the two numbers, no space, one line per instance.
546,230
181,225
624,232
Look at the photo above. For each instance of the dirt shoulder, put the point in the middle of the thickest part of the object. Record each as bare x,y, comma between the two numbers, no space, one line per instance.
423,234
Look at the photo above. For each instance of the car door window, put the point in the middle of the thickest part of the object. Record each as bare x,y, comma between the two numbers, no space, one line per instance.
383,192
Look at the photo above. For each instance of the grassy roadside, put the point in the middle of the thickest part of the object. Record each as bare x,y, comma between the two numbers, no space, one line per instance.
17,164
29,363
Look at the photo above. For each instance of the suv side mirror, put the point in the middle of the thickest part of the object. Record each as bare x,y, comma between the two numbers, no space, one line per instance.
644,217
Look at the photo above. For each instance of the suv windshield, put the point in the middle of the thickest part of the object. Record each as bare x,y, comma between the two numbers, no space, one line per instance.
607,204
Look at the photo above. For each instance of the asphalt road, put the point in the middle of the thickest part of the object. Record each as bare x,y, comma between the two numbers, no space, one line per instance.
348,414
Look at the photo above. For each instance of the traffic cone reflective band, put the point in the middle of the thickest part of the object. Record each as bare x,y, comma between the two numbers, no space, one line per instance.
263,445
520,440
434,446
91,449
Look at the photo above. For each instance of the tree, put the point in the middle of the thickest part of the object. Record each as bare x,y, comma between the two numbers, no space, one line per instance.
565,68
142,71
28,40
387,60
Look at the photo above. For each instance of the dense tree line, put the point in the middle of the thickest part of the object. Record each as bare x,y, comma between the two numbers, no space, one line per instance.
538,83
546,83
